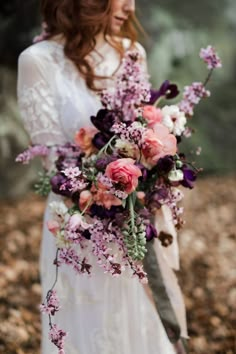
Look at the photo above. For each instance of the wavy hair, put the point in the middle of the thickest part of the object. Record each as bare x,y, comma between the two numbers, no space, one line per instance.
79,21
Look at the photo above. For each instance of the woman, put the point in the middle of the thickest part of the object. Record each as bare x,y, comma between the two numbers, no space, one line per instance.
59,80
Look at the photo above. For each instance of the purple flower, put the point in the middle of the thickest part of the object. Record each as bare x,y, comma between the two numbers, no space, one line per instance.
100,140
151,232
102,163
167,89
103,213
32,152
189,178
165,164
159,196
210,57
144,171
104,120
57,181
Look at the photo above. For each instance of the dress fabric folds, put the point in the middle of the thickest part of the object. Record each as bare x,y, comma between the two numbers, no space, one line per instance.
102,315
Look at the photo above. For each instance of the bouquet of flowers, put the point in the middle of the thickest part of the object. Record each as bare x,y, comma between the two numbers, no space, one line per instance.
116,174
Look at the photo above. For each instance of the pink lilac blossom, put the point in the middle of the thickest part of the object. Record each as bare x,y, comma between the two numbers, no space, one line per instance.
52,305
107,182
33,151
175,196
72,172
187,132
131,89
74,229
210,57
68,150
70,257
192,96
132,134
57,337
75,182
102,237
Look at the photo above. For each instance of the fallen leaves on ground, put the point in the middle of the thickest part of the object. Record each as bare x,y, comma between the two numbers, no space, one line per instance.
207,277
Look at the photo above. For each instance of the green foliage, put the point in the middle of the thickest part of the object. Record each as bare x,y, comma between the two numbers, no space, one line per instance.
134,233
43,187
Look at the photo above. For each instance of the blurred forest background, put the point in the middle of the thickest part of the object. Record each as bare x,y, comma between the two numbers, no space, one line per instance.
176,32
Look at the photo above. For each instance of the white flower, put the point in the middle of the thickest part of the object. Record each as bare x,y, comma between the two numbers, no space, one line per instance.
77,220
58,209
177,194
126,147
176,175
174,119
61,242
72,172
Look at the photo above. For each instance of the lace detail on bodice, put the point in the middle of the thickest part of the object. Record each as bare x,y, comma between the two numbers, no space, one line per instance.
39,113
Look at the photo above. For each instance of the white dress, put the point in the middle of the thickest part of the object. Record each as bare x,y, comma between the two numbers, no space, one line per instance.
103,315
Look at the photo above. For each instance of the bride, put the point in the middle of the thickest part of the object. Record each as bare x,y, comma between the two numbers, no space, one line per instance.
59,79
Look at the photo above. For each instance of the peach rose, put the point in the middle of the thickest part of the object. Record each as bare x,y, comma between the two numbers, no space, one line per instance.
84,137
84,198
141,196
53,226
124,173
107,199
102,196
152,115
157,143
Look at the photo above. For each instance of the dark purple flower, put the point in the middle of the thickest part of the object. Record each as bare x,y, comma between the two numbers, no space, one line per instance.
86,234
156,198
151,232
144,213
144,171
102,163
103,213
64,162
56,182
190,177
167,89
100,140
104,120
165,164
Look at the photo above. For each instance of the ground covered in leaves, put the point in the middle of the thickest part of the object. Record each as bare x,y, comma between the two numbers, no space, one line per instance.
208,277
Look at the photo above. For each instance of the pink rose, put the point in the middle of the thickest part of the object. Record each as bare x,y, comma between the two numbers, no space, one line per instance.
124,173
53,226
157,143
84,137
152,115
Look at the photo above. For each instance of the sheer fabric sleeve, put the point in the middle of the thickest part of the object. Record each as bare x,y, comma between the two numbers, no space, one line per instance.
36,100
143,56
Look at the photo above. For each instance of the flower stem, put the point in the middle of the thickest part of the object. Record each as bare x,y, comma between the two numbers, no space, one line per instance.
105,147
208,77
87,206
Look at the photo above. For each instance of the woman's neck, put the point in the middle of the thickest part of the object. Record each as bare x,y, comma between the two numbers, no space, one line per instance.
100,40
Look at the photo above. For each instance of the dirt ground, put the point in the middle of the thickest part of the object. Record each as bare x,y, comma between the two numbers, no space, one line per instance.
207,277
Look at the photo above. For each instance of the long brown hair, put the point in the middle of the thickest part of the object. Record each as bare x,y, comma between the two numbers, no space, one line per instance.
79,21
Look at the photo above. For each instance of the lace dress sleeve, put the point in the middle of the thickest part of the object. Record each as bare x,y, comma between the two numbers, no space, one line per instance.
36,100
